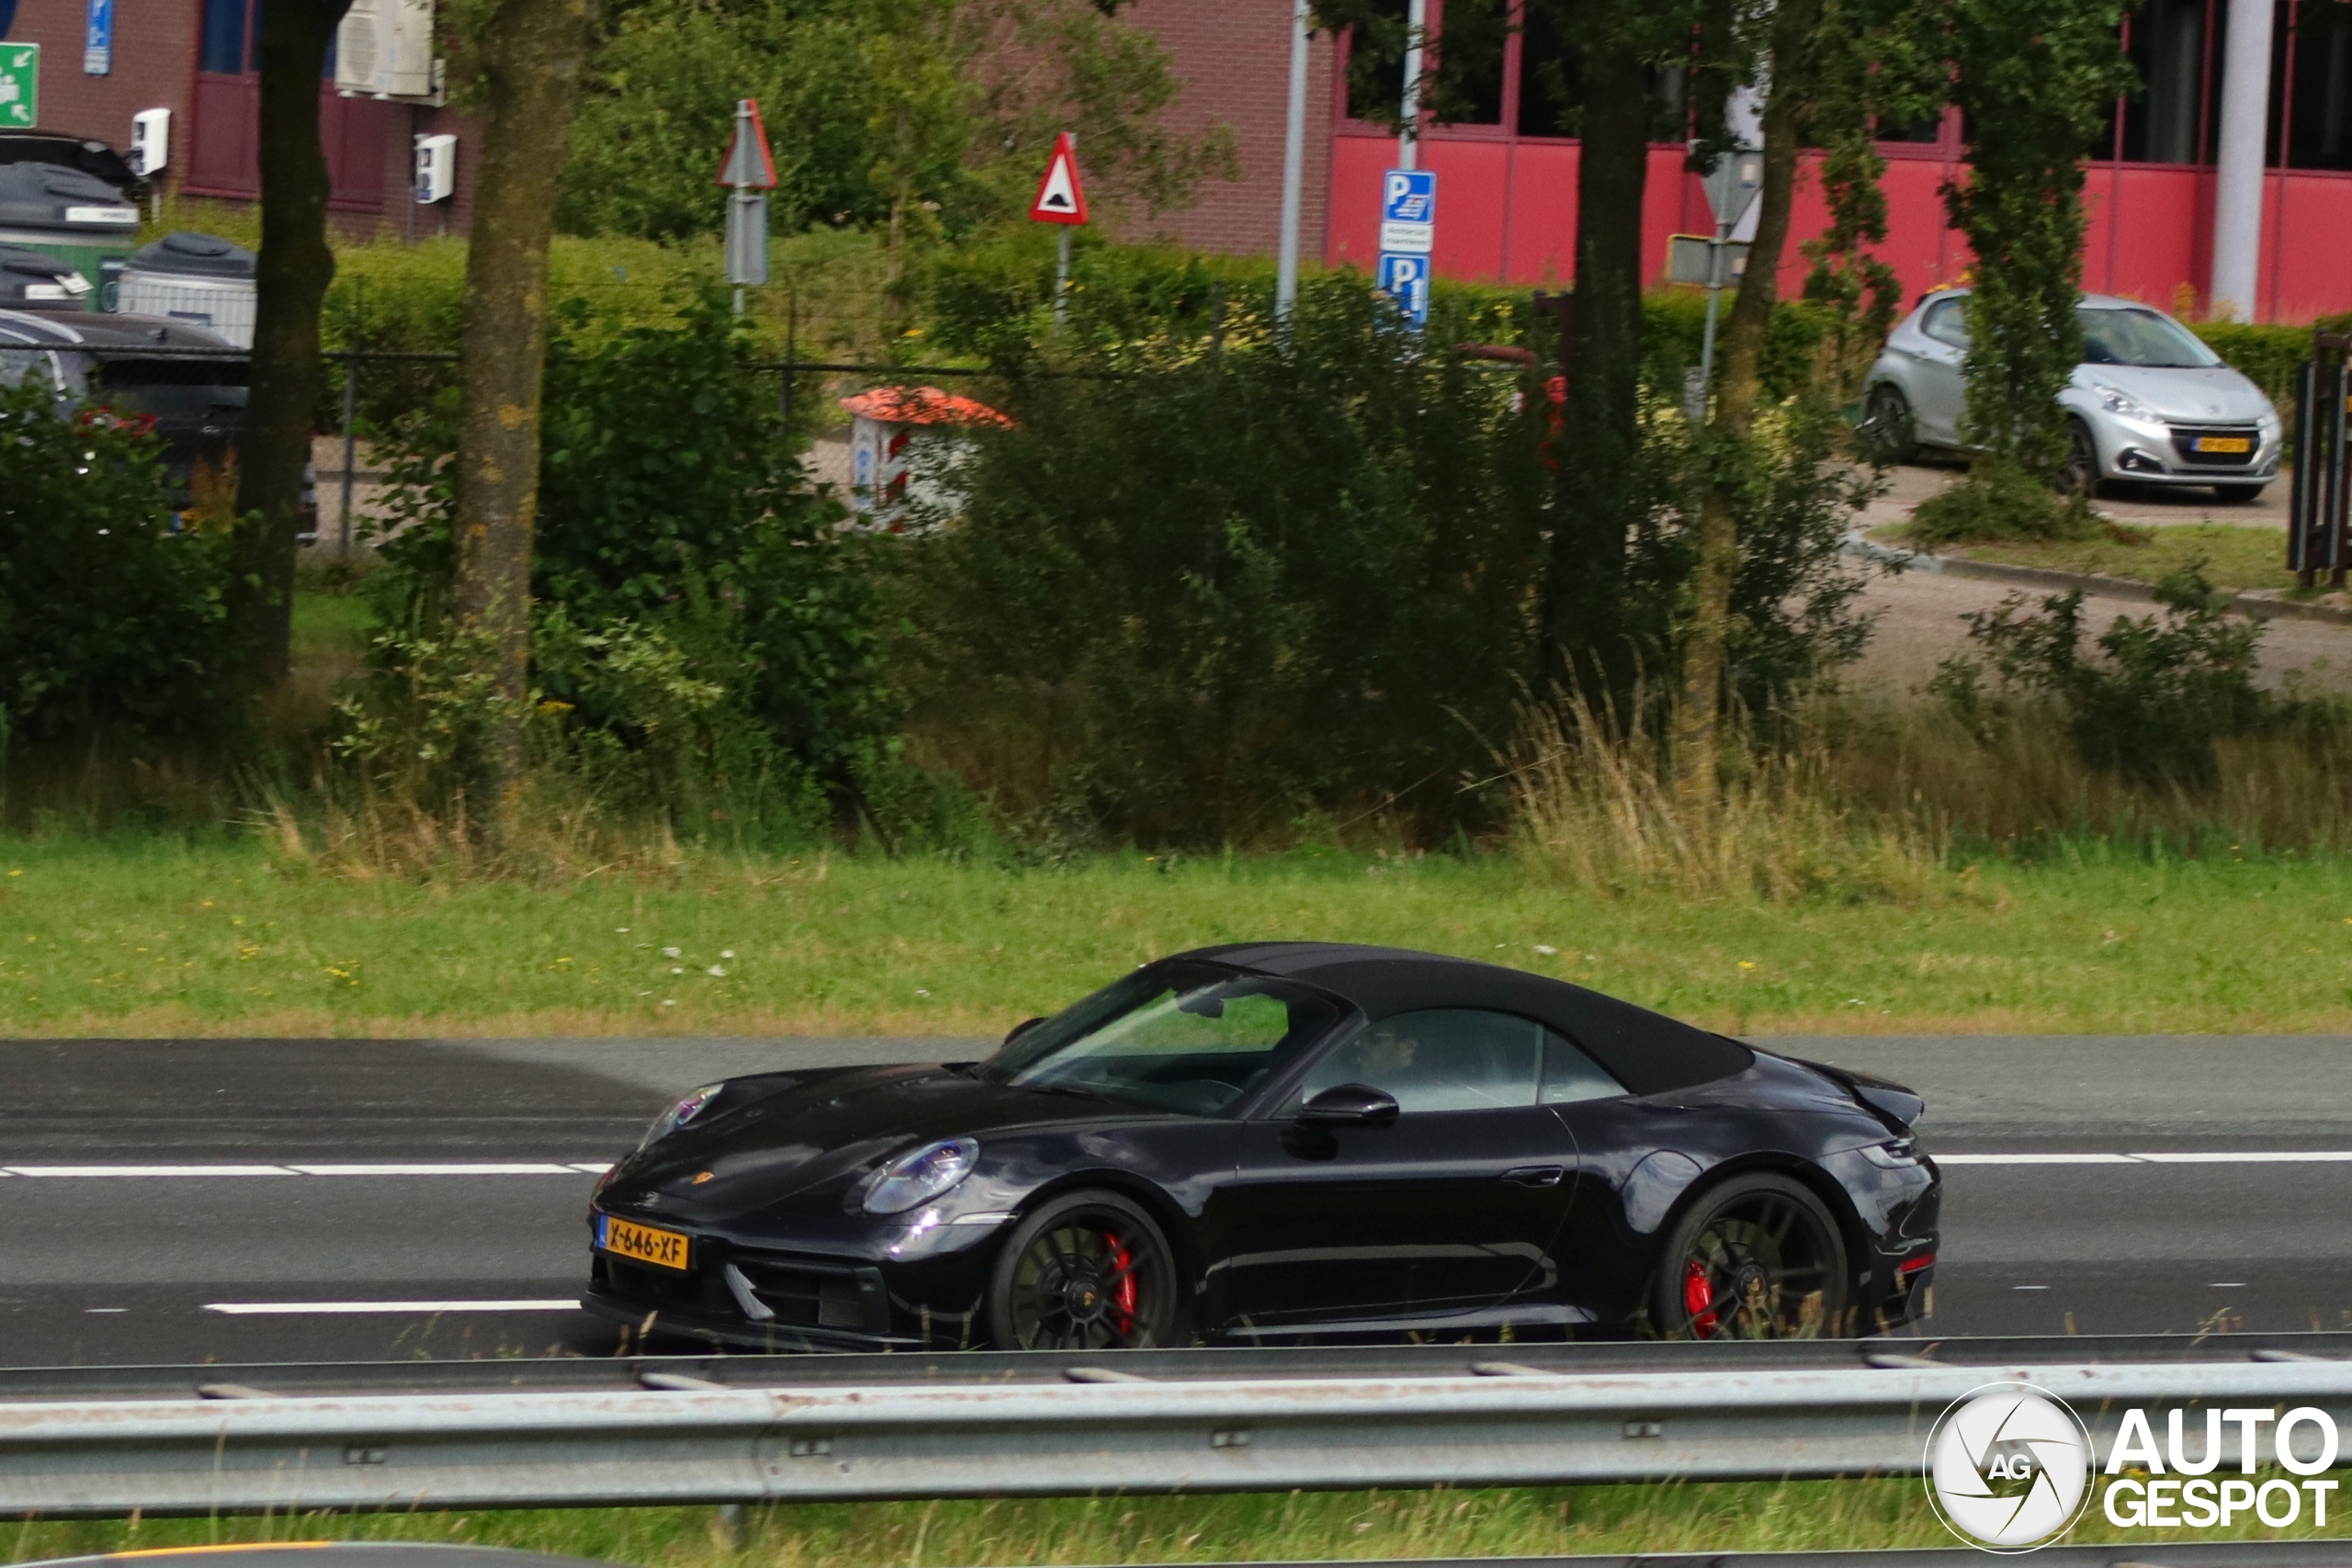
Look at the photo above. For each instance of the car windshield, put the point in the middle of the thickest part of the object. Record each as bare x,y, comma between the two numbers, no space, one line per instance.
2136,335
1186,1037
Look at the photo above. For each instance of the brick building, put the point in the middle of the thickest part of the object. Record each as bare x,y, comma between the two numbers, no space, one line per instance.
2229,180
2250,141
198,58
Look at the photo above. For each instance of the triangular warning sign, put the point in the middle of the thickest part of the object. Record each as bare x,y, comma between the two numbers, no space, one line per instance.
749,165
1061,195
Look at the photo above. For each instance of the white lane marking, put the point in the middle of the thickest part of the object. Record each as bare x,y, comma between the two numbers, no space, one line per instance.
432,1170
2253,1157
298,1309
415,1168
2032,1159
175,1170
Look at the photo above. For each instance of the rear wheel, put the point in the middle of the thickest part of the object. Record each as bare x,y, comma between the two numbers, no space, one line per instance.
1087,1271
2237,495
1887,434
1757,1257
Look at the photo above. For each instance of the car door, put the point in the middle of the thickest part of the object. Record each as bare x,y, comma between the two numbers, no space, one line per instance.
1939,390
1452,1208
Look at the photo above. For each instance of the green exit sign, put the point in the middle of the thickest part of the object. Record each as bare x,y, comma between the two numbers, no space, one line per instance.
19,85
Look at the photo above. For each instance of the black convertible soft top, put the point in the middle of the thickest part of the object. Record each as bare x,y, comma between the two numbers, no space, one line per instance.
1648,1051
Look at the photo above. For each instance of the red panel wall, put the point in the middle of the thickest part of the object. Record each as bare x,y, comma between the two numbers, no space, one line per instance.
1507,212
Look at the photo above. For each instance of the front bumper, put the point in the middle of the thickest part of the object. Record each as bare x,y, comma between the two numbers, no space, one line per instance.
2164,452
775,1296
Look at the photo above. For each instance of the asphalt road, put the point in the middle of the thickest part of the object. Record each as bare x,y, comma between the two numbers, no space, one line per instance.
229,1201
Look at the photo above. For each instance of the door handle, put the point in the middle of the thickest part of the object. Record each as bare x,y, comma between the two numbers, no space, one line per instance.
1535,1175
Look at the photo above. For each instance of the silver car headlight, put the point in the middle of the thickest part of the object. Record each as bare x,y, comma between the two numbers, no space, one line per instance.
920,1176
2114,399
687,1108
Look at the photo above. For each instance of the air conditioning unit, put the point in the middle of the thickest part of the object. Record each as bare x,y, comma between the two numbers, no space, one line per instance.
436,169
384,50
150,142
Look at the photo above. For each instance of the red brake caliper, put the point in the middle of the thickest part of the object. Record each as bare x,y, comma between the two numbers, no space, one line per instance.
1698,1298
1121,1264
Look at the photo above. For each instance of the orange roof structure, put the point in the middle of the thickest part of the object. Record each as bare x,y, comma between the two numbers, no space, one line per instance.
922,405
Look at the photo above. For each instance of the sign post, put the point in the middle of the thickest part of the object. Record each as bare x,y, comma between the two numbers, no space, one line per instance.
1732,184
748,172
1407,239
19,85
1061,198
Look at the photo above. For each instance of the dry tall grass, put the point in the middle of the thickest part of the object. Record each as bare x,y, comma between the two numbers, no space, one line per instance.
1885,802
1594,801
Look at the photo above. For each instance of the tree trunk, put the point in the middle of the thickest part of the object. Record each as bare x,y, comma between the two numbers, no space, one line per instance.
296,266
1602,407
532,53
1742,351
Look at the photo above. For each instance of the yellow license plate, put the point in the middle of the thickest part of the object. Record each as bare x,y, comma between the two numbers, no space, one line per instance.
2223,444
626,1239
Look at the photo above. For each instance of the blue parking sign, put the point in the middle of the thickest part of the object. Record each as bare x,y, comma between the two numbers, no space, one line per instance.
1406,279
97,39
1408,211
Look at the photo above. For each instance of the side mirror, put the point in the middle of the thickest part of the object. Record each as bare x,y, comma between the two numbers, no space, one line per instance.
1024,1026
1350,1105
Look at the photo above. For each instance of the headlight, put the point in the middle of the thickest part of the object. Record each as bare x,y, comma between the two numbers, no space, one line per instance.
1902,1155
2115,401
919,1177
678,1115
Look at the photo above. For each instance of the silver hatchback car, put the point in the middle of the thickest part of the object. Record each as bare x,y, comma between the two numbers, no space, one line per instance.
2148,403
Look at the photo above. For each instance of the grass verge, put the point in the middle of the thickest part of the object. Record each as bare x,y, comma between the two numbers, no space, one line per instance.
1294,1526
2233,557
155,935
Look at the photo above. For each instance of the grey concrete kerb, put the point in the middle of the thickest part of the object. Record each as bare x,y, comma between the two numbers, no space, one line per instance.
2261,604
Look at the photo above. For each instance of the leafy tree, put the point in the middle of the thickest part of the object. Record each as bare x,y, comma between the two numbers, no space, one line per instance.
677,533
289,378
2033,81
531,58
925,115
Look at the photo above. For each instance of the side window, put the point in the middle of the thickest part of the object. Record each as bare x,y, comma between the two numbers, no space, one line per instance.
1442,1059
1948,322
1569,1074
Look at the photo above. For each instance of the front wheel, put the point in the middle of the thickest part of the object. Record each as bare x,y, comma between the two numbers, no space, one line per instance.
1757,1257
1887,434
2078,475
1087,1271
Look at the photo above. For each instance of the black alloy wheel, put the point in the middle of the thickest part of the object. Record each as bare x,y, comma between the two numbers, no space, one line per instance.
1087,1271
1886,433
1757,1257
2237,495
2078,475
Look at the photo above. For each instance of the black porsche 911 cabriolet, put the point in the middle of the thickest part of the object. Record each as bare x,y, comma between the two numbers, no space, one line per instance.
1282,1141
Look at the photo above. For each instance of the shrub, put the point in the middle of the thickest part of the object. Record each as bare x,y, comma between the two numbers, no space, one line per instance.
2165,690
1203,589
109,620
676,533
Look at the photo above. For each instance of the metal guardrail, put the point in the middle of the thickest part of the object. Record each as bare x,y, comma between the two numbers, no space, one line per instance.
688,1441
802,1369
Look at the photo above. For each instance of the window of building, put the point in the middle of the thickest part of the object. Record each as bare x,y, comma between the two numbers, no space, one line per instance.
2174,48
222,51
1470,44
2317,82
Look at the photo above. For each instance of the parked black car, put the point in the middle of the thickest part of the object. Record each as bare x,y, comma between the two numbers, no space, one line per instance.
190,383
1282,1141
